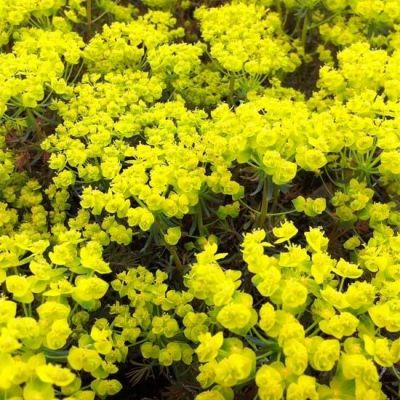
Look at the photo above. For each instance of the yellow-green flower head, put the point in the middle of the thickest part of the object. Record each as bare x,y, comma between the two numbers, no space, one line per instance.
347,270
357,366
238,316
294,257
294,294
386,315
55,374
106,387
296,360
321,267
173,235
360,295
207,281
323,353
270,383
310,207
268,277
344,324
35,388
352,243
284,232
310,159
334,297
8,310
316,240
86,359
380,350
90,288
209,346
165,325
235,368
217,393
305,388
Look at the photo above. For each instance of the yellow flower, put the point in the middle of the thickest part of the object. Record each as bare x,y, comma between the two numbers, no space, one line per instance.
173,235
55,375
316,240
285,232
347,270
270,383
209,346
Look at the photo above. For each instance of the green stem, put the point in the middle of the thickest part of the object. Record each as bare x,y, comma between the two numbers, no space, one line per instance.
279,8
396,372
24,261
33,123
297,27
25,310
264,205
244,383
59,355
269,214
261,356
258,334
98,18
332,16
200,223
342,279
53,357
137,343
176,258
314,332
89,17
315,323
263,339
305,31
231,89
275,197
71,314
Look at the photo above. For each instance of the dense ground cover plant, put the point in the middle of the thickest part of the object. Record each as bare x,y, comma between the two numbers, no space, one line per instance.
199,200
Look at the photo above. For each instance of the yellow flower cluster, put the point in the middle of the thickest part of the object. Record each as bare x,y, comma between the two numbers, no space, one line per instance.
247,38
25,12
281,351
38,66
314,281
359,20
124,45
